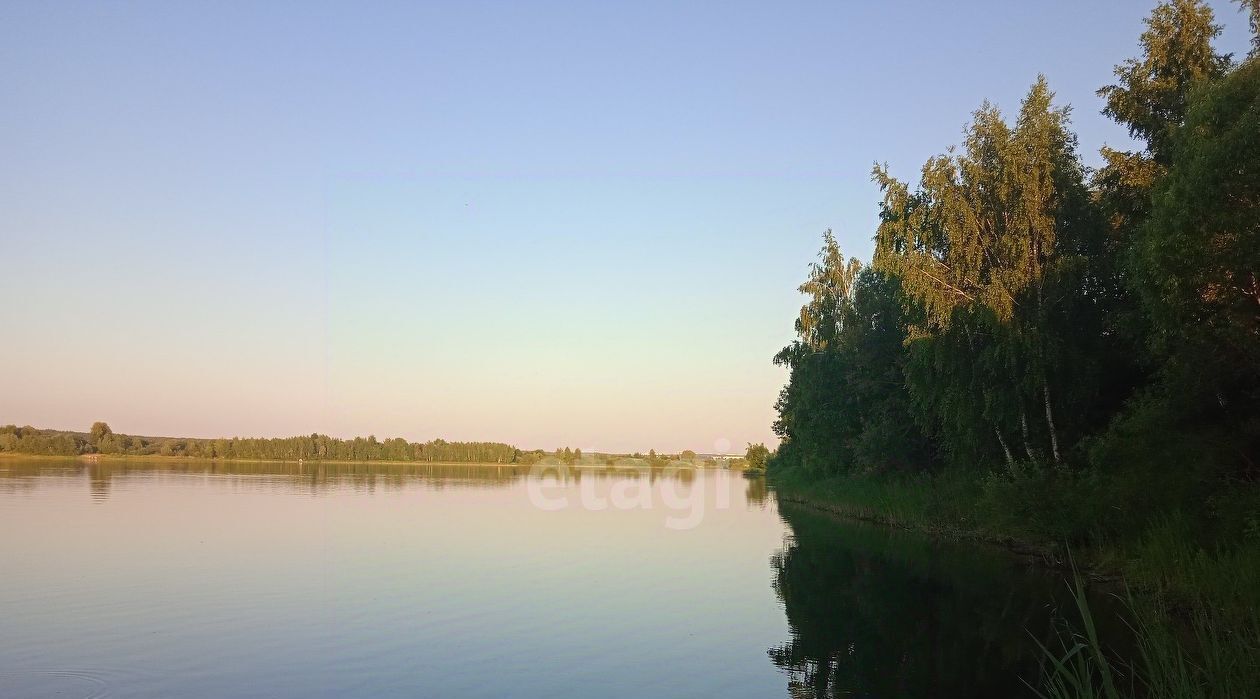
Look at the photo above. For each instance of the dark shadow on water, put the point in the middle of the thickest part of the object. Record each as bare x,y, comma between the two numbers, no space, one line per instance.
877,612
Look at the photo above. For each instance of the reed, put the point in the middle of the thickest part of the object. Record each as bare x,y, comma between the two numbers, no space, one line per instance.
1206,656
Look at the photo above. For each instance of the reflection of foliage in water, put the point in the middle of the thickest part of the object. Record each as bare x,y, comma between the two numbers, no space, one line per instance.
756,493
313,476
316,476
877,612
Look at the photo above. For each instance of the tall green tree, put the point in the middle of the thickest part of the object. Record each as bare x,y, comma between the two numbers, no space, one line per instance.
1151,99
811,415
993,246
756,456
1197,261
830,288
845,405
99,432
1153,91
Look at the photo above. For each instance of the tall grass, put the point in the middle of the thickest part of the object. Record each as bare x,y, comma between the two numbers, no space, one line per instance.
1079,668
1206,657
929,501
1225,580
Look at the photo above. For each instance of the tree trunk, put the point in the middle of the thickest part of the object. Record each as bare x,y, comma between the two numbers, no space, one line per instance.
1023,424
1010,460
1054,436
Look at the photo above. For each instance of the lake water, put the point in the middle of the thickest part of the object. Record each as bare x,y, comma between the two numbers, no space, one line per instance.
328,580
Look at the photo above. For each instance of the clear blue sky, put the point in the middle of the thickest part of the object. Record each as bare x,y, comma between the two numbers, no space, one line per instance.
546,223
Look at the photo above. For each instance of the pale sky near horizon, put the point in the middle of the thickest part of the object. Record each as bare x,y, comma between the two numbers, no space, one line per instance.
543,223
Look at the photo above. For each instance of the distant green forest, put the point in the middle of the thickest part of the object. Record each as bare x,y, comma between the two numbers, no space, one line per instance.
100,439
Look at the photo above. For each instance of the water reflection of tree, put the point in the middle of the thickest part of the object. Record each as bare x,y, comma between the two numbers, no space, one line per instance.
313,476
756,492
321,476
99,482
875,612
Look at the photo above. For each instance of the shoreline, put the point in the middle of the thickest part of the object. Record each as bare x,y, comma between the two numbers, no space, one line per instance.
97,458
1039,554
1159,586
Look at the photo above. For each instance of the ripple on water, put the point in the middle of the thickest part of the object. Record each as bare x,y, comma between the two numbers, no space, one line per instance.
75,683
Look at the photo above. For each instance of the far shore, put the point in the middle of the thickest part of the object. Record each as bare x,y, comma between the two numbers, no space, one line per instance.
93,458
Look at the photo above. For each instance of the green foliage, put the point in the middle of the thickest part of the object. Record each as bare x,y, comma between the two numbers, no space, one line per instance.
1154,90
842,407
1220,658
1196,263
1080,668
995,247
1041,502
1062,358
98,432
948,501
981,314
316,447
1093,346
28,440
755,458
830,287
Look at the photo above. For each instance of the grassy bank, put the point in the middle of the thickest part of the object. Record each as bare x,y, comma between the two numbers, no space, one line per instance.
1188,563
1195,584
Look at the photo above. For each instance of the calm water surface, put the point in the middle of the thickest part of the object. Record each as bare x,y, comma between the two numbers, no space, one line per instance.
278,580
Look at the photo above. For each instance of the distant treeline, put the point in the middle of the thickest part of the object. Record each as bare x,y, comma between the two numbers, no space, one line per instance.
575,457
102,440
